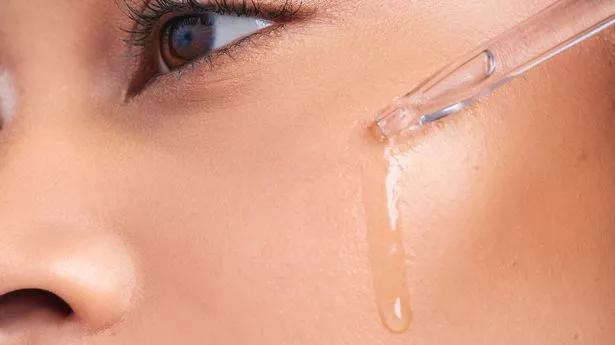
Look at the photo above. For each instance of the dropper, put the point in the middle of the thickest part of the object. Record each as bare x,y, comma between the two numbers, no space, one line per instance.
555,29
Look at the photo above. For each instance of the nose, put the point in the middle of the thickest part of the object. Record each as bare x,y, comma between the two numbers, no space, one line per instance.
55,242
90,272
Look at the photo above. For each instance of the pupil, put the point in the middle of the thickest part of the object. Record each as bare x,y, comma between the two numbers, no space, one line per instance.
185,40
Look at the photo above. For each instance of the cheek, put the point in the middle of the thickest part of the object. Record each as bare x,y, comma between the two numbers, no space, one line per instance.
507,211
264,232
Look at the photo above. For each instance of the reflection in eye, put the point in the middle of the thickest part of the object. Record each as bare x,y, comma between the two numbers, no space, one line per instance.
186,38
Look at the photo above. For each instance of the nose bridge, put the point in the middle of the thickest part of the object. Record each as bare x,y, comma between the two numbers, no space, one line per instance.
43,158
52,236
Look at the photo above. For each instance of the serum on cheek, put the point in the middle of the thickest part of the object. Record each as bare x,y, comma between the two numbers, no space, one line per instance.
385,239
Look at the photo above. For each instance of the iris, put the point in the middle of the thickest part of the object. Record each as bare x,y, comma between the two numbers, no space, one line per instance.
187,38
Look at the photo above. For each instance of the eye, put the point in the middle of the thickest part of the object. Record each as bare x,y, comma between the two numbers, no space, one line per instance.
170,35
185,38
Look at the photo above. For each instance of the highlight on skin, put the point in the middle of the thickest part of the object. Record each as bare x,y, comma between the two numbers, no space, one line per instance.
7,97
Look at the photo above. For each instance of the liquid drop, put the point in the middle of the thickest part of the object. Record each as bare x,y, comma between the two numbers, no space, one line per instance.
385,238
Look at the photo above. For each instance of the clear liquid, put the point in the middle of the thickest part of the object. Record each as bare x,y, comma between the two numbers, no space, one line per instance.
385,240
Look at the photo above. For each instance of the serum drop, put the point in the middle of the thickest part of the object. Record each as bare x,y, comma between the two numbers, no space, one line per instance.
385,240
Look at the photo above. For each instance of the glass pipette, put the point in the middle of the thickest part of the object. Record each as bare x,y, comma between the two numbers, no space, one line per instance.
537,39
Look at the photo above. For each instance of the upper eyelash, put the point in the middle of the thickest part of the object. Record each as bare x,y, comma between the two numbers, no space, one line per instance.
147,15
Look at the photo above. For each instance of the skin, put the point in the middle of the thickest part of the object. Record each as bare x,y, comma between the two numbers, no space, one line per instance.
228,207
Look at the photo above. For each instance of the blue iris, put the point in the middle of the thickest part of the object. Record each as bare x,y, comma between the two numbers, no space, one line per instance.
189,37
183,36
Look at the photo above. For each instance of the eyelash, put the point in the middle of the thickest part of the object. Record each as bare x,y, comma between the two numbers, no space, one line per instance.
148,17
147,20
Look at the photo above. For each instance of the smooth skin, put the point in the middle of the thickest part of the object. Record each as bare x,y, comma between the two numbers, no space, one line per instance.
226,207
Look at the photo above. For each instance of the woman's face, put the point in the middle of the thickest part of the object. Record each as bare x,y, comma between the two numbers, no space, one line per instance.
230,203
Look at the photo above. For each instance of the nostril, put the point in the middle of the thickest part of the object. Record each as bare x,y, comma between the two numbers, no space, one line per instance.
26,304
83,279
